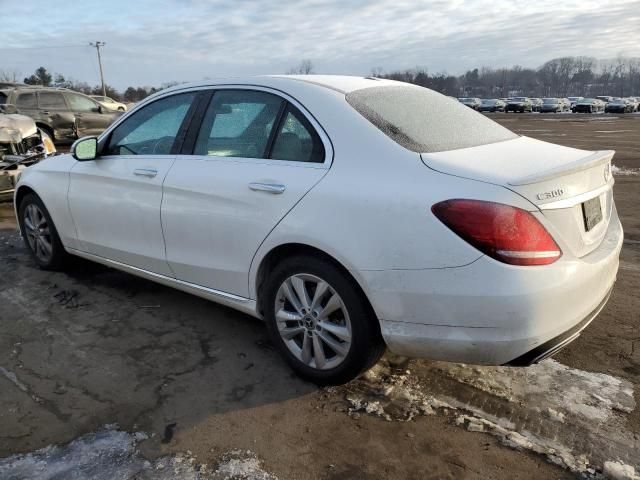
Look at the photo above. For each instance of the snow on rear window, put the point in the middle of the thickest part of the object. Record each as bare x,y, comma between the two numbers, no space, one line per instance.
425,121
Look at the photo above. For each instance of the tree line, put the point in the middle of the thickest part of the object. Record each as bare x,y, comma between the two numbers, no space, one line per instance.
559,77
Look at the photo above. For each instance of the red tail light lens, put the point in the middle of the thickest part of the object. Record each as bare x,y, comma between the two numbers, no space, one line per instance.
508,234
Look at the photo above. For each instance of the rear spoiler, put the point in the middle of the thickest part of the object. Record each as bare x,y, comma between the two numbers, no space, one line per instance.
599,157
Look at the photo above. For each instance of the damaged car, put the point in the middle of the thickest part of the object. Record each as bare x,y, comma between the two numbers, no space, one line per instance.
21,144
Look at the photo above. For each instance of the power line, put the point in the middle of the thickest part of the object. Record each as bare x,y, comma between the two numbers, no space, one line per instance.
43,47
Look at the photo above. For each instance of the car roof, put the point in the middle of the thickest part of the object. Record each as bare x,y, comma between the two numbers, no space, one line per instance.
339,83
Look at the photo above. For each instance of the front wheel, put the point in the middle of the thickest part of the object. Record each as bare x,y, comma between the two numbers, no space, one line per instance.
320,321
40,234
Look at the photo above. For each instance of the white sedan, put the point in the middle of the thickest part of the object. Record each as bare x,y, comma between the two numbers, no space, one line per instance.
351,214
110,103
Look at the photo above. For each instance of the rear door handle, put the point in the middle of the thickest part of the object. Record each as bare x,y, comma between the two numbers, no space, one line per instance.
146,172
274,188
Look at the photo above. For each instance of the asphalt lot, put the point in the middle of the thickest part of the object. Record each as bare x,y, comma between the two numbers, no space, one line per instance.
190,389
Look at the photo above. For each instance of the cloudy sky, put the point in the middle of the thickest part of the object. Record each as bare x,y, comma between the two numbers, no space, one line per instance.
150,42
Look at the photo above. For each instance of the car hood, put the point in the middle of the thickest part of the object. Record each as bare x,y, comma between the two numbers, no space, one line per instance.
14,128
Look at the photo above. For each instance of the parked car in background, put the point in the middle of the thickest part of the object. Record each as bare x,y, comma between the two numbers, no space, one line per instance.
110,103
21,144
503,266
536,103
63,114
470,102
619,105
589,105
605,98
519,104
573,101
552,105
492,105
635,101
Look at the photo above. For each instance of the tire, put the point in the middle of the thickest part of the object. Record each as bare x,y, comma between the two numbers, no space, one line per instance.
351,327
32,211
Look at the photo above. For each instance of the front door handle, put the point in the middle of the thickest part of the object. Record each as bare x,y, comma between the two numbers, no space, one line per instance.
146,172
274,188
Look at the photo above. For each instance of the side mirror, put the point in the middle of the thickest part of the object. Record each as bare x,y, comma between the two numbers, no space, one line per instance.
85,149
98,109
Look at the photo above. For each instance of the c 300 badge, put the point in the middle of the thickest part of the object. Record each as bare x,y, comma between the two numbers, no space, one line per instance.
558,192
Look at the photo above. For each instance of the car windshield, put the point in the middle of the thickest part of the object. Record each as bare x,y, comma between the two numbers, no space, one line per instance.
424,121
588,100
489,102
519,99
550,101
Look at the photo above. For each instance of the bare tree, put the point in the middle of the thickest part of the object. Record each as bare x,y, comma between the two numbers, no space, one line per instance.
9,76
305,67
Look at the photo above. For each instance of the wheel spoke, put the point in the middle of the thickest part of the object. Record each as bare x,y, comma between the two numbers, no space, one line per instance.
339,348
332,305
301,291
42,221
29,224
306,350
291,332
339,331
321,289
318,352
293,300
283,316
46,246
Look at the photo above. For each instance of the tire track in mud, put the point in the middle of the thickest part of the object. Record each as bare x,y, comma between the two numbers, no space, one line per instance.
577,419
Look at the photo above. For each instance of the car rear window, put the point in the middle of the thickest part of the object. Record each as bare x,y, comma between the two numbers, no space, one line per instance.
425,121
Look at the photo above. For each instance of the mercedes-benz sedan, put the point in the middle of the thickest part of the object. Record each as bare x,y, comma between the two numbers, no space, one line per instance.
351,214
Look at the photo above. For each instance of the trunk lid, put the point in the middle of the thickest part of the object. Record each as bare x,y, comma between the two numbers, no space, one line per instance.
557,180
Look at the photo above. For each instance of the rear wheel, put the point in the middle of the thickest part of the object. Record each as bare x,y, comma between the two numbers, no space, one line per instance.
40,234
320,321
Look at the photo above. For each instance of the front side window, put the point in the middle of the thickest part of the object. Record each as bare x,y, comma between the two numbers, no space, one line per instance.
151,130
26,100
238,123
297,140
80,103
53,100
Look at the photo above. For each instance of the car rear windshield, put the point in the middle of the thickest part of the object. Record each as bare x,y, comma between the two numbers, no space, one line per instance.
424,121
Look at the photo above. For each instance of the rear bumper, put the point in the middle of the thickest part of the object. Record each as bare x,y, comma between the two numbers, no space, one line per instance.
490,313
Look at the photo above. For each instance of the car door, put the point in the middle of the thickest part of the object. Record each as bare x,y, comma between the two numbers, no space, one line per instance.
54,112
91,117
115,199
248,159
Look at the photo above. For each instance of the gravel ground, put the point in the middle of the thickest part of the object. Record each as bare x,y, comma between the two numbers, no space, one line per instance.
148,382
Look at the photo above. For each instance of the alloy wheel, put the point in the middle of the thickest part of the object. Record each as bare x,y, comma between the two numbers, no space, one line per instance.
37,232
313,321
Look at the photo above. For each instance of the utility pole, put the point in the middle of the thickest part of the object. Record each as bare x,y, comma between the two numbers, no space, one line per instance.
98,44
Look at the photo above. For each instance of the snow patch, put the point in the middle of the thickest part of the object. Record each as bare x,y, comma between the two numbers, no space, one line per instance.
623,171
576,419
111,453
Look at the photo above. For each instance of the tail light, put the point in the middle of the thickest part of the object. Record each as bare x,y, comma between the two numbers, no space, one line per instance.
508,234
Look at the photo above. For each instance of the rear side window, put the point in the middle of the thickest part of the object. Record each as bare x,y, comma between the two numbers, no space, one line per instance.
424,121
3,98
52,100
238,123
297,140
80,103
26,100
